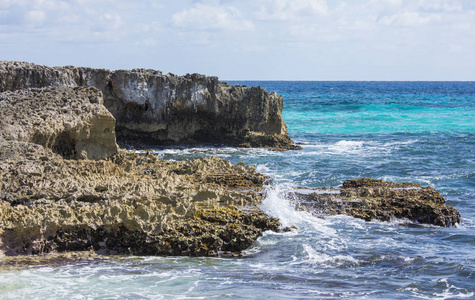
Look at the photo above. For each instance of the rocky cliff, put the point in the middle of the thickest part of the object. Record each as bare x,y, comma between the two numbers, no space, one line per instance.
66,186
158,109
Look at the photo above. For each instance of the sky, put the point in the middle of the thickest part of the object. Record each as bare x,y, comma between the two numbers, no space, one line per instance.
248,39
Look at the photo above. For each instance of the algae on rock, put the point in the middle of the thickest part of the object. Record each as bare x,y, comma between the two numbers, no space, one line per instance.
130,204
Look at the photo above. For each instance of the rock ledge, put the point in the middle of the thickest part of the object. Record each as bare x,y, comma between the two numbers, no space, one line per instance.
375,199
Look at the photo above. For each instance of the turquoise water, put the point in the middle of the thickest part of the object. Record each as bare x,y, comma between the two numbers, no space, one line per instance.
422,132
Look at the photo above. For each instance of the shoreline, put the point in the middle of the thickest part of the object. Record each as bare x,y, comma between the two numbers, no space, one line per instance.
67,186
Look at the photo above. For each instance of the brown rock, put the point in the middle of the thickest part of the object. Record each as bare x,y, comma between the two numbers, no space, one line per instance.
129,204
374,199
73,122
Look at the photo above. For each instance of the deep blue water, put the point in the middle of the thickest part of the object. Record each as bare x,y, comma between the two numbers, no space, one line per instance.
422,132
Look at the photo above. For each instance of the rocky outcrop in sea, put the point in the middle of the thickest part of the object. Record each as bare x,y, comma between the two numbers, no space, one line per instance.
165,109
375,199
132,204
66,186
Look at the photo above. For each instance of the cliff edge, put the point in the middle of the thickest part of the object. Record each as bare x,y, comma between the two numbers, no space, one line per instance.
157,109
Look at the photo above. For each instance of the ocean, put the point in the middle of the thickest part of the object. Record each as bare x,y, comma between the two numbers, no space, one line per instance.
422,132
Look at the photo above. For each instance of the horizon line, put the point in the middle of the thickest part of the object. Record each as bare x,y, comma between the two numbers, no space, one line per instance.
351,80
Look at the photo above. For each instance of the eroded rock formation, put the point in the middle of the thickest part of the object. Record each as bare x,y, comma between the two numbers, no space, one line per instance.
65,186
131,204
73,122
159,109
374,199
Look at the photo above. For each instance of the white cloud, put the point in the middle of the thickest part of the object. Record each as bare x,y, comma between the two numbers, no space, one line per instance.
7,3
35,17
150,42
75,20
410,19
440,5
290,9
113,21
211,16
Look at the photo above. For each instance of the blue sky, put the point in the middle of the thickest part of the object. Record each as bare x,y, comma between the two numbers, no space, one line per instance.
248,39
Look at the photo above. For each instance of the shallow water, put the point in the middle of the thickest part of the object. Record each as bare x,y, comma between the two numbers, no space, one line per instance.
398,131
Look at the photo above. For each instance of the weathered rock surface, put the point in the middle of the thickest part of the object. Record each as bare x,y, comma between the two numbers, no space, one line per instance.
159,109
374,199
131,204
73,122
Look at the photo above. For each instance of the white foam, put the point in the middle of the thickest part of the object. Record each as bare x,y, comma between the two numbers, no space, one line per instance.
278,204
262,168
349,144
315,257
451,291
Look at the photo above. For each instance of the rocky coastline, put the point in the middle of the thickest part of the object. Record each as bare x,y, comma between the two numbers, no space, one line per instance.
133,204
158,109
66,185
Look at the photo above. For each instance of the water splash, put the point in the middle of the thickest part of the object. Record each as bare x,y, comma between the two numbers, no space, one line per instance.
279,203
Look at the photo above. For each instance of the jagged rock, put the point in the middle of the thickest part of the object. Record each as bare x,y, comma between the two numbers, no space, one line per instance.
158,109
73,122
374,199
129,204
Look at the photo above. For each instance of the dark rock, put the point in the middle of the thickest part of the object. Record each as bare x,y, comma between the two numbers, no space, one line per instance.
374,199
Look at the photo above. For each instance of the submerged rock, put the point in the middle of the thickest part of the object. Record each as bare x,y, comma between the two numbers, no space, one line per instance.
157,109
375,199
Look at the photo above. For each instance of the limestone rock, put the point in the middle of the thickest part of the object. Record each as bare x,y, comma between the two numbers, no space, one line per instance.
132,203
159,109
374,199
73,122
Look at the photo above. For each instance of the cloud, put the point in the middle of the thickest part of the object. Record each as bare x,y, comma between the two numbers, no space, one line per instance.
211,16
35,17
75,20
440,5
248,32
290,9
410,19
